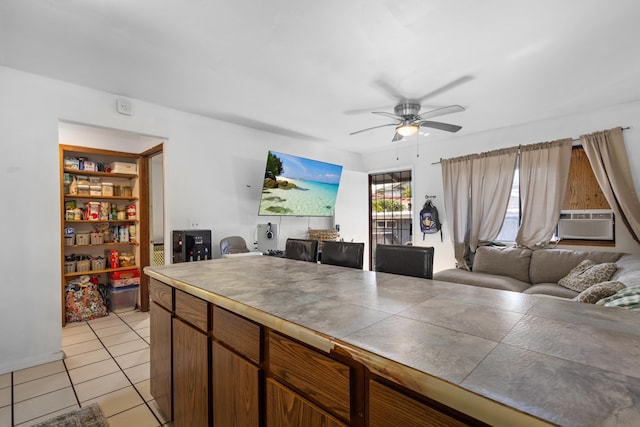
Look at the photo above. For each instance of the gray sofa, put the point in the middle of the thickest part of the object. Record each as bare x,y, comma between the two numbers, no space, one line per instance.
536,272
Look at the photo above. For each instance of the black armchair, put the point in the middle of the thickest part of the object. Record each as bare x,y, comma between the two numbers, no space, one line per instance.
416,261
345,254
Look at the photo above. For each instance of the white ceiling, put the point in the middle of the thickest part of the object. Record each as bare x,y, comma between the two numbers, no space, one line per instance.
304,68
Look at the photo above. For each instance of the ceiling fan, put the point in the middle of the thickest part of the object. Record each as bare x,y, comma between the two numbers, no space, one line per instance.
409,121
406,113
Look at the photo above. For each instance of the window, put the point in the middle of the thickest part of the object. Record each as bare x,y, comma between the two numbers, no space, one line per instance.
391,215
583,192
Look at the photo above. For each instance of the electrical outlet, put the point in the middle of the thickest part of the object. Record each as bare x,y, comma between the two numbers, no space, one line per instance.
124,106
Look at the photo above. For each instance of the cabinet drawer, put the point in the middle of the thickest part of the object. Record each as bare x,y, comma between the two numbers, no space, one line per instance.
193,310
238,333
161,294
389,408
319,378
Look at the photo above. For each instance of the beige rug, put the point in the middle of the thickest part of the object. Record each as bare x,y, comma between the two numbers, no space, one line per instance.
87,416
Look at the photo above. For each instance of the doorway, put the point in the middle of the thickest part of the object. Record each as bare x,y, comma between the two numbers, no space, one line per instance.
391,215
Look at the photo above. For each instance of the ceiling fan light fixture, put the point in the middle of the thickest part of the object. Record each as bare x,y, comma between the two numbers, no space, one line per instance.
407,129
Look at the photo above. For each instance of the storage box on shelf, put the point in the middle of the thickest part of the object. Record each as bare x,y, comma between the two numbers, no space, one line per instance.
122,299
100,225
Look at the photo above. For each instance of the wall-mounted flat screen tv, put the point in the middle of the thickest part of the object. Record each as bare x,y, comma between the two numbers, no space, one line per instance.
296,186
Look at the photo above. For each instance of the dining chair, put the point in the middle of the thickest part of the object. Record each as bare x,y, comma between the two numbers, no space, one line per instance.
416,261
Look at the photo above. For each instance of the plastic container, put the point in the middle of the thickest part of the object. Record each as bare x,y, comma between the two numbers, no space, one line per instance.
95,190
82,239
124,167
123,298
69,239
83,189
107,189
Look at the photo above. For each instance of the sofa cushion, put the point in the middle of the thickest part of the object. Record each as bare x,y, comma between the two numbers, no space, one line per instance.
595,293
503,261
628,270
550,289
587,273
493,281
551,265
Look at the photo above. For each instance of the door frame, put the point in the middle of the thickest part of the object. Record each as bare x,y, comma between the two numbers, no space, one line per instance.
145,217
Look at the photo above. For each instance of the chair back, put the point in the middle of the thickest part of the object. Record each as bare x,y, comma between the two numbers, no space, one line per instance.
345,254
416,261
233,245
301,250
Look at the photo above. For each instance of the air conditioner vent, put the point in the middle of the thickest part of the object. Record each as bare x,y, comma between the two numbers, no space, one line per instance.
586,225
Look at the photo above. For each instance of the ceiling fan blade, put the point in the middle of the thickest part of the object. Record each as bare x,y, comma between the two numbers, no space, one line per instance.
441,112
439,125
366,110
390,115
390,90
375,127
446,87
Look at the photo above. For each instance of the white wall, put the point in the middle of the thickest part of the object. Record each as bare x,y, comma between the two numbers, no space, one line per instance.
428,177
213,175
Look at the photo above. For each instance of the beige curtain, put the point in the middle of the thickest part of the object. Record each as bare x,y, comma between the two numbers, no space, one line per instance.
608,157
544,172
491,181
456,181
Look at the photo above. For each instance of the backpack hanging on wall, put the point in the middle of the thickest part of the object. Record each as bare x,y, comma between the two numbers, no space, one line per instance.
430,220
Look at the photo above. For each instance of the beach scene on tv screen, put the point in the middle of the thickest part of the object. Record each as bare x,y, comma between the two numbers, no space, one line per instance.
298,186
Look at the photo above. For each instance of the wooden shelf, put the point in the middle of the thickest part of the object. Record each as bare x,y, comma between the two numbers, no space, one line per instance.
101,174
110,221
78,196
103,244
107,270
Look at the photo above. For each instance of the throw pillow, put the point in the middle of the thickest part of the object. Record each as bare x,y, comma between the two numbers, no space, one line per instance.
595,293
626,292
587,273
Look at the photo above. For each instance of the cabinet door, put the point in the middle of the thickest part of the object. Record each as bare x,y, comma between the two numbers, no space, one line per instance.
160,358
288,409
190,376
236,387
390,408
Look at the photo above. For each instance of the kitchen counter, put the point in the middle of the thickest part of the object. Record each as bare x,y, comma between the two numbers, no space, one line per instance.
502,357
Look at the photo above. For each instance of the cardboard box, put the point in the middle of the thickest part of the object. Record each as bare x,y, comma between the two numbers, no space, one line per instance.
123,167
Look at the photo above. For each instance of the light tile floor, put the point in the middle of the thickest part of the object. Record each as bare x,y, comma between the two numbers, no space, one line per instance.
106,361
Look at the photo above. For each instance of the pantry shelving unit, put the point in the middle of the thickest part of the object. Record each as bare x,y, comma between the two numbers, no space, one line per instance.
83,225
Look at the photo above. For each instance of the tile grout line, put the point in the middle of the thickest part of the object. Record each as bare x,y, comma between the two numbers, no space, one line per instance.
122,370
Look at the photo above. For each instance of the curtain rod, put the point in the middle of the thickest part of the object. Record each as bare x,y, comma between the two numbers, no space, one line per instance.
573,139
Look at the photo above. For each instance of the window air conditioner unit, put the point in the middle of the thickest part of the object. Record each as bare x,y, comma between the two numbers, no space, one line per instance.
593,224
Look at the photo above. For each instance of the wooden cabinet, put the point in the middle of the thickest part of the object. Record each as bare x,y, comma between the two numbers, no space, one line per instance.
286,408
95,204
161,381
230,371
390,408
190,376
236,389
324,380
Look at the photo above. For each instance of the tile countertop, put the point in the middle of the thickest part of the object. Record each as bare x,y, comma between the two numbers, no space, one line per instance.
502,357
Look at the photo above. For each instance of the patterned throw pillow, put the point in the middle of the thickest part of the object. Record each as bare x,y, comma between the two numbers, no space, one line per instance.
587,273
630,292
595,293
